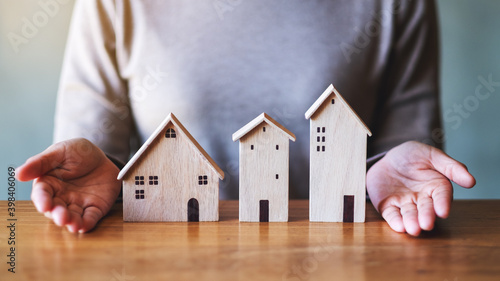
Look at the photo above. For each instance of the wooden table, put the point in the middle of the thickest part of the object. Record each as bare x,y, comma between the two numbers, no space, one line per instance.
464,247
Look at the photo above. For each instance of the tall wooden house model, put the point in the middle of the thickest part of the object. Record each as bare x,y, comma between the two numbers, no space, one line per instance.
264,158
337,160
171,178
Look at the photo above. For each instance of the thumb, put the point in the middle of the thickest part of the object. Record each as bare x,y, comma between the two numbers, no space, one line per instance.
451,168
42,163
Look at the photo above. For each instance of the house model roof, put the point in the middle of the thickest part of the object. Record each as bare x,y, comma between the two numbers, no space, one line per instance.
171,118
310,112
255,122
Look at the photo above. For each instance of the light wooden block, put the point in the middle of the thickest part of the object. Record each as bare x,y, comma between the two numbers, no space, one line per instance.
264,175
338,140
187,183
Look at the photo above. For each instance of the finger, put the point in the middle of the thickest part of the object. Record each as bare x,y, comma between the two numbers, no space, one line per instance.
392,215
91,215
426,215
42,163
75,218
59,213
410,218
42,196
442,198
451,168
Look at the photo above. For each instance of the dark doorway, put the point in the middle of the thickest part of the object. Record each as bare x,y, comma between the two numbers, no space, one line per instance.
264,211
193,210
348,208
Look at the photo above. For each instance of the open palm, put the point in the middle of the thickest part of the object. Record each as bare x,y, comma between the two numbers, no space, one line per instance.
74,183
411,184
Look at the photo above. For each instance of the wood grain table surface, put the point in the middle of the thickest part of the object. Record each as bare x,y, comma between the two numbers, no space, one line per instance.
465,246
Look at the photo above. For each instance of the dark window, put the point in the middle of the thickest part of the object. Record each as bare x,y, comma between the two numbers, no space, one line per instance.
153,180
317,148
333,101
251,147
319,130
277,147
318,138
139,194
263,129
139,180
323,129
323,139
323,148
203,180
277,176
170,133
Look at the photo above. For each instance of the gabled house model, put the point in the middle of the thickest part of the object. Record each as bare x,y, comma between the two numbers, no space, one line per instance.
264,158
171,178
337,183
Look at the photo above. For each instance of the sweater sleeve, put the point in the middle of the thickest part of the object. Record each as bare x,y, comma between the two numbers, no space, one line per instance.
409,105
92,100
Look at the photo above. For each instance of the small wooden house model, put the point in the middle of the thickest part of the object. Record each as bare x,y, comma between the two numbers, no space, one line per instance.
264,158
171,178
337,190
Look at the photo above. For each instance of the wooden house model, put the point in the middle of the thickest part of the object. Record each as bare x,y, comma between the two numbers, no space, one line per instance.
337,183
264,158
171,178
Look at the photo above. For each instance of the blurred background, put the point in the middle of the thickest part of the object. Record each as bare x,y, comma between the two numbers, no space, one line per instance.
470,60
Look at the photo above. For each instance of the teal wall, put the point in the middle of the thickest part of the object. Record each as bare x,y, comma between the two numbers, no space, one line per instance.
470,49
28,81
470,39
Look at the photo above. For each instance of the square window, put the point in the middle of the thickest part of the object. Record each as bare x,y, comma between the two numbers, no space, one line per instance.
141,191
137,178
137,197
203,180
153,180
136,182
137,192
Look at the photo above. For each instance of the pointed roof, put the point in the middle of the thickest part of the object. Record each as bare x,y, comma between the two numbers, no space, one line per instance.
170,118
255,122
310,112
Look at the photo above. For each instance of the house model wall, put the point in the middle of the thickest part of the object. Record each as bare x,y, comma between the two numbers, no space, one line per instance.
264,158
338,139
171,178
